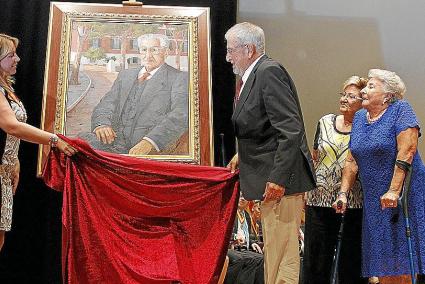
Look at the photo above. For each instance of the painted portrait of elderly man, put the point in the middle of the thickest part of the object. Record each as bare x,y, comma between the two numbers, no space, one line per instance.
131,90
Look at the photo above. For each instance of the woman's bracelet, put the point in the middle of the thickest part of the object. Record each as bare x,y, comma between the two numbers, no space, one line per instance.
53,141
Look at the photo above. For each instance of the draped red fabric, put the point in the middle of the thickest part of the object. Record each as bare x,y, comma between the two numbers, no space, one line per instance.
130,220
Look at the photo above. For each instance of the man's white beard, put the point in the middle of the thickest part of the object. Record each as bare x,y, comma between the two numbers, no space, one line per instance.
238,71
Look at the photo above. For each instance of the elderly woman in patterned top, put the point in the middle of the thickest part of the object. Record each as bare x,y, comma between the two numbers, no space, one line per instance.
12,129
322,223
384,132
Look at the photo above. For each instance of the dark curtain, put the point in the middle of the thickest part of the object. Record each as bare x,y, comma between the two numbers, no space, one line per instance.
31,253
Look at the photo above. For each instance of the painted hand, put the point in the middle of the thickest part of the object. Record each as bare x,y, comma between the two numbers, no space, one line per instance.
105,134
144,147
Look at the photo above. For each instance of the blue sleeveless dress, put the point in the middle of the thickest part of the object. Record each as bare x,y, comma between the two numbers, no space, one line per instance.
374,147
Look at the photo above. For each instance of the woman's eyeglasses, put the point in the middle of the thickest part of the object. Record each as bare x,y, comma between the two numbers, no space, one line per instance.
349,96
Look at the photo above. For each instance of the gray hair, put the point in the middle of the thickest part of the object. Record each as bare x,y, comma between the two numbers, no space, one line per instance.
247,33
392,82
163,39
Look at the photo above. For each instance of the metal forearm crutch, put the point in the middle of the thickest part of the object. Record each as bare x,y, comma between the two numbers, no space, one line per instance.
334,269
403,201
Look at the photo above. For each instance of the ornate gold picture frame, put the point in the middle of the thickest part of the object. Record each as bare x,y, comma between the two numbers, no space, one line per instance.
96,57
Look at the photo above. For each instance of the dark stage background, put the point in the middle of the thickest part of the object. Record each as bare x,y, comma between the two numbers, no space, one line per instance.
32,250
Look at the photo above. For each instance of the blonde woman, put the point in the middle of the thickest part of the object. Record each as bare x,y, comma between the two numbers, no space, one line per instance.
322,223
13,128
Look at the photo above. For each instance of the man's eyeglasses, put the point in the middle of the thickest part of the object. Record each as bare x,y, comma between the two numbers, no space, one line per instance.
349,96
231,50
153,50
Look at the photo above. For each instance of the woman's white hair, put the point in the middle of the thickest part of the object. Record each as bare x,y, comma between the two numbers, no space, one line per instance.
392,82
163,39
247,33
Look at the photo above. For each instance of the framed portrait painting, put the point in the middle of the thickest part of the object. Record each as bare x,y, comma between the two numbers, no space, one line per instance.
130,79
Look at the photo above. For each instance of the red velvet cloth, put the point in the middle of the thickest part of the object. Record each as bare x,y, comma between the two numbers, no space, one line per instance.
129,220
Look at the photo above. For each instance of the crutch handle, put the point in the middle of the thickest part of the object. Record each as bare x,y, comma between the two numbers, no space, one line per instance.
403,200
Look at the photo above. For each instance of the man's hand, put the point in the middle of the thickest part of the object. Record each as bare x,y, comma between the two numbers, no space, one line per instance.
240,237
15,177
105,134
144,147
256,248
273,192
234,163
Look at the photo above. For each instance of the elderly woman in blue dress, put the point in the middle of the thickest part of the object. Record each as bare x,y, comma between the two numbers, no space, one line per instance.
12,129
386,130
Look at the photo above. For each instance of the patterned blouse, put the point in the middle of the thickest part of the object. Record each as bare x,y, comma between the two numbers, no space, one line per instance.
9,158
332,147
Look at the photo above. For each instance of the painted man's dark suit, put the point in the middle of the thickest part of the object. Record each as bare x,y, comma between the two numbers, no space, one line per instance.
268,123
156,108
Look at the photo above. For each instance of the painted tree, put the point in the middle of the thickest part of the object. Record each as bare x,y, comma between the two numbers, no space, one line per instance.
95,54
82,31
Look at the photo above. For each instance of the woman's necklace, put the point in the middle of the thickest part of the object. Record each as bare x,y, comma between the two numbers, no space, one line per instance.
372,120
